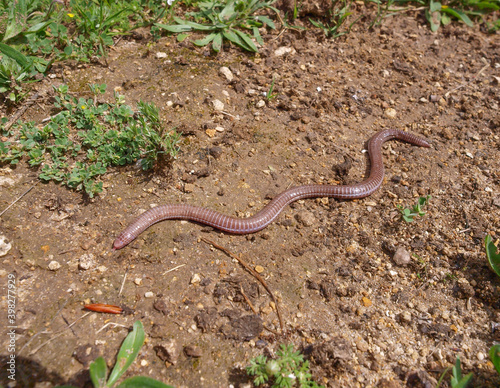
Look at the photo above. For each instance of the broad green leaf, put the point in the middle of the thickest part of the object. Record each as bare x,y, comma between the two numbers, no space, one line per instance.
143,382
174,28
266,20
196,26
38,27
232,37
459,15
128,352
182,37
228,11
434,19
257,36
206,40
492,254
14,54
217,43
495,357
98,372
434,6
244,37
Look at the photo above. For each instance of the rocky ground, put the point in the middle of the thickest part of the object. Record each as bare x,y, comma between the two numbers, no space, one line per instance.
370,299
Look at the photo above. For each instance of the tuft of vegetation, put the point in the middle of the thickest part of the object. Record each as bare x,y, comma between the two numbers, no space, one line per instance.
440,14
128,353
77,144
288,370
409,214
337,17
232,20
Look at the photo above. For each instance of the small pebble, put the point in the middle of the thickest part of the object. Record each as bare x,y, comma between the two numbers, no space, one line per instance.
161,55
168,351
306,218
86,261
5,246
480,356
259,269
226,72
401,257
149,294
192,351
366,302
138,281
260,104
282,51
54,265
196,278
406,316
218,105
188,188
390,113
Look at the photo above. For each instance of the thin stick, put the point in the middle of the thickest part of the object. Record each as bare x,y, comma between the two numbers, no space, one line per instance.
21,196
108,324
173,269
254,273
248,301
123,283
22,110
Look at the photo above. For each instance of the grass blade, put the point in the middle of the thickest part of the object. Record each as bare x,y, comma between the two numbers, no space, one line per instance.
459,15
128,352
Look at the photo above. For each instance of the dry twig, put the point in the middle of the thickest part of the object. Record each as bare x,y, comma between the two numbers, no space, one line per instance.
255,274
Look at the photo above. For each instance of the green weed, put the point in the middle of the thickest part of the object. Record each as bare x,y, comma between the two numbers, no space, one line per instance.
439,14
288,369
416,210
337,17
128,352
76,146
225,20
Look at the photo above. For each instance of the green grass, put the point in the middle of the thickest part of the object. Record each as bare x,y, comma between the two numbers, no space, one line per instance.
236,21
77,145
36,33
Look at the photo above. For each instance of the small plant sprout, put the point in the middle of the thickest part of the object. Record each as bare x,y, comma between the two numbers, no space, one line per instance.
128,352
288,370
416,210
492,254
457,380
269,94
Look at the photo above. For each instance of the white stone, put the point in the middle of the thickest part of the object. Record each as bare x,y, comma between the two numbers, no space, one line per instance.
218,105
